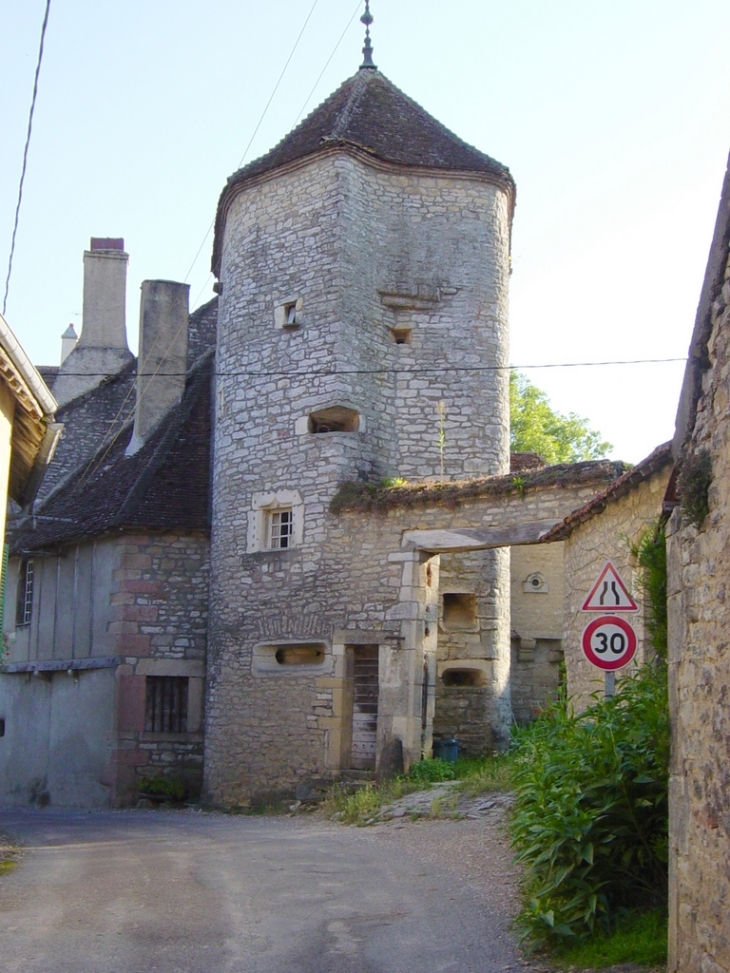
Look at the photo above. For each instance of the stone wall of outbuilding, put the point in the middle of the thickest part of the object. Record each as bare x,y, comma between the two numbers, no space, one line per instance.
606,536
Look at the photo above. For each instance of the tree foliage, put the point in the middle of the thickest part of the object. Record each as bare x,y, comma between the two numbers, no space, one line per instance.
537,428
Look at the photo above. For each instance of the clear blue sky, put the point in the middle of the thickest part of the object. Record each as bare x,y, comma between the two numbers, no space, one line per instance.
614,118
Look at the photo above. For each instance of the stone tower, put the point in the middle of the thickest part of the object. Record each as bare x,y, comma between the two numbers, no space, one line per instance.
363,267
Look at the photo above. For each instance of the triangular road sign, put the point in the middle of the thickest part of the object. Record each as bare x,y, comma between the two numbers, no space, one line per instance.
609,593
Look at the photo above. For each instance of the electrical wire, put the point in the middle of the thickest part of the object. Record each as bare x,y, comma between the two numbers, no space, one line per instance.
258,126
111,435
25,152
435,369
327,63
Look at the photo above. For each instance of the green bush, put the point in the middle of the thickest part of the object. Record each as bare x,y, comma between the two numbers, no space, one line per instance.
590,818
161,786
650,552
432,771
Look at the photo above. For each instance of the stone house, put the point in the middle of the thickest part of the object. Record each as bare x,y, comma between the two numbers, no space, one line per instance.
699,663
277,548
604,529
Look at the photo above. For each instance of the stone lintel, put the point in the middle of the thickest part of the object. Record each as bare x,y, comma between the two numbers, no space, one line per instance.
343,636
192,668
473,539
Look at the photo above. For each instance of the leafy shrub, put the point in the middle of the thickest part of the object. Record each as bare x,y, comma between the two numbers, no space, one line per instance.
590,818
650,552
161,786
693,486
432,771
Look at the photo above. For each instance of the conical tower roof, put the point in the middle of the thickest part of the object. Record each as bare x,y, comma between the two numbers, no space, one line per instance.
368,113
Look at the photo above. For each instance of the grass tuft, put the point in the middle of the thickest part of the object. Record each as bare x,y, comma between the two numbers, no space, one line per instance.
636,938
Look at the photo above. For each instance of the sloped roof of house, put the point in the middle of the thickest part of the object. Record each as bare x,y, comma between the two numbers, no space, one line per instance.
165,485
654,462
711,303
368,113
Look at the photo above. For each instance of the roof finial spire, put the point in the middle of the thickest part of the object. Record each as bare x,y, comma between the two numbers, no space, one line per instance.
367,19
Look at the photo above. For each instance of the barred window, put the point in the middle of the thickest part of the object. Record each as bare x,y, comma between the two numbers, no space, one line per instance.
166,704
24,604
281,528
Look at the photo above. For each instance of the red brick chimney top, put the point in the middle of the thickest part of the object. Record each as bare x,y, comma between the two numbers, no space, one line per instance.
107,243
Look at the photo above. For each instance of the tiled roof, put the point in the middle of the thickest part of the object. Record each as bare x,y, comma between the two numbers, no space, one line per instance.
165,485
90,419
369,113
654,462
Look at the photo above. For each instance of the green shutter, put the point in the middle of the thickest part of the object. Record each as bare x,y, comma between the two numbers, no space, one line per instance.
3,583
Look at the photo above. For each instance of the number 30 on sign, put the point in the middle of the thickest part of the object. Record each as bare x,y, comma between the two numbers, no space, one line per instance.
609,642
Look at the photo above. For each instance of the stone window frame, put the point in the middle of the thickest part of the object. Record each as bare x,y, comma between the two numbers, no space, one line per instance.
264,506
265,661
287,313
194,671
536,584
350,420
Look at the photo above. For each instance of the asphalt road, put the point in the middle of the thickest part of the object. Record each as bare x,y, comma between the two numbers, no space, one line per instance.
189,892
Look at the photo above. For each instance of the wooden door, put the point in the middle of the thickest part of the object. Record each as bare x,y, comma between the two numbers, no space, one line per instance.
366,685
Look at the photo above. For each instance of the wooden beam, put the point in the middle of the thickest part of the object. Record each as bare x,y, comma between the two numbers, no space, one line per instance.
479,539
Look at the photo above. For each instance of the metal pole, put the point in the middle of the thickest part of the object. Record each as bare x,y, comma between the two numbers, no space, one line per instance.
610,684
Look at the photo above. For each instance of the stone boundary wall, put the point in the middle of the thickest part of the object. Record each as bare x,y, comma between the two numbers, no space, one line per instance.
699,666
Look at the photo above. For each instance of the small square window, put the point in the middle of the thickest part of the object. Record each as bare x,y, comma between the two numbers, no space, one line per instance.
287,315
166,704
281,528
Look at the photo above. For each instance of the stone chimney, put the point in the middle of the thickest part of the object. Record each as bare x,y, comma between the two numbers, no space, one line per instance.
105,295
163,349
69,339
102,348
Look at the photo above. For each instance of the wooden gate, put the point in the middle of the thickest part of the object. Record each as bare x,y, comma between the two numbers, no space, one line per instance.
364,707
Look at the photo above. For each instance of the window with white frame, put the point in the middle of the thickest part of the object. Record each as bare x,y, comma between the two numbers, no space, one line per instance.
24,603
275,521
280,528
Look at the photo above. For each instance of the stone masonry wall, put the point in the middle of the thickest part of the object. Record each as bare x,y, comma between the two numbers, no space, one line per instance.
605,537
160,606
699,677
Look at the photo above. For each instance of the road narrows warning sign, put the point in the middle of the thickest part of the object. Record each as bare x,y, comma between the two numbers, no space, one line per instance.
609,593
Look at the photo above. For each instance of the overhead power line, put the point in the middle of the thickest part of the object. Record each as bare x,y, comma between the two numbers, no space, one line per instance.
396,370
25,153
258,126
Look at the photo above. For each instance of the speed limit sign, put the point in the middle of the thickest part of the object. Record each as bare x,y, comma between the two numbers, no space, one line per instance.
609,642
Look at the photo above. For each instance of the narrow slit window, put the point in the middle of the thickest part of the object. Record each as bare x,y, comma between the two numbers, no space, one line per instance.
281,529
401,336
290,314
166,704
